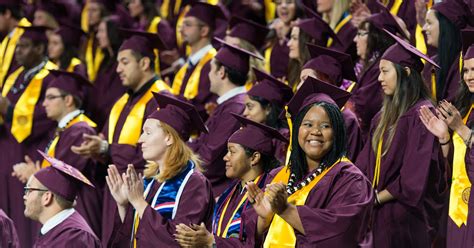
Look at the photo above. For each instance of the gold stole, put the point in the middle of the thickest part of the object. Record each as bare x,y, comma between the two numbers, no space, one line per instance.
93,59
7,49
85,17
339,27
279,226
165,6
461,186
153,28
351,87
22,121
192,85
133,124
74,62
52,147
433,84
378,161
270,8
268,55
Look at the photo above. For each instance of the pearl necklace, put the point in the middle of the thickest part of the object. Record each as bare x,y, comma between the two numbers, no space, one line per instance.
292,188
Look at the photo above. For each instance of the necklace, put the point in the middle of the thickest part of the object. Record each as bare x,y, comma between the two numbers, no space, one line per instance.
292,188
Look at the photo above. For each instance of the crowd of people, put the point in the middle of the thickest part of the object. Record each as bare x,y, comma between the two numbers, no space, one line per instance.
236,123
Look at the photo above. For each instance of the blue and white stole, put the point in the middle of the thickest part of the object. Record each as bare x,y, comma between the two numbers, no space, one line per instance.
166,199
234,227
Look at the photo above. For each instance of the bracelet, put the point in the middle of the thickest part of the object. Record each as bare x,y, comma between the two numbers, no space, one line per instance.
377,200
468,141
447,142
104,147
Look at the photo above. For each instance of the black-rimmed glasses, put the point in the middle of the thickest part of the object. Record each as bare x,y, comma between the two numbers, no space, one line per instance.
27,190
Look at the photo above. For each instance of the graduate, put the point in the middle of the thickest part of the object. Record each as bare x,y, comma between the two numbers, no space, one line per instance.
173,189
264,103
8,237
107,85
458,119
63,49
49,199
191,81
117,143
62,102
228,75
12,17
249,158
25,124
52,13
331,66
371,42
320,199
443,25
401,157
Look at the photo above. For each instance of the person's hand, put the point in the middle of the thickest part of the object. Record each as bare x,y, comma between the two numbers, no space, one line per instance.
134,184
434,124
169,56
259,201
24,170
116,185
193,236
421,9
278,197
90,146
281,29
210,107
4,104
359,12
451,115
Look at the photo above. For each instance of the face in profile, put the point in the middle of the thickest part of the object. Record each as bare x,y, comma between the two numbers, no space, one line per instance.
154,140
237,163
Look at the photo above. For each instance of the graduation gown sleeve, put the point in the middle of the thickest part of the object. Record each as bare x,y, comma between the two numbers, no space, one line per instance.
354,134
8,235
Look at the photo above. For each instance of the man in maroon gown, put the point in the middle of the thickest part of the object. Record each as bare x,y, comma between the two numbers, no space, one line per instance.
49,199
228,74
25,126
117,144
63,100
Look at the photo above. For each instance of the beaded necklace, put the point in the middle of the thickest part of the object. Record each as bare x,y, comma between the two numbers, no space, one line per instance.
292,188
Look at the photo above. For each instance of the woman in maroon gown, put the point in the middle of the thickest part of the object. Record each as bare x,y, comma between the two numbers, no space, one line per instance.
458,151
175,189
320,199
264,103
402,158
249,159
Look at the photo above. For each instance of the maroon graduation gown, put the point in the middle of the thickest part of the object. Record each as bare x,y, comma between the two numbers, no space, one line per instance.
212,147
89,200
355,142
464,236
451,85
337,210
195,206
204,94
8,235
281,147
279,60
11,191
72,232
367,97
346,35
413,171
121,155
106,90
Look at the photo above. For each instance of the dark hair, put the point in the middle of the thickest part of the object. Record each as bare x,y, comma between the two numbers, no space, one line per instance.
14,10
273,118
150,10
409,90
267,162
464,97
449,47
234,76
298,164
115,40
77,101
63,203
138,56
377,42
295,65
68,54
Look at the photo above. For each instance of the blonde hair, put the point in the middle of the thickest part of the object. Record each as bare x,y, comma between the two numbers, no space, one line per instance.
176,158
254,62
336,12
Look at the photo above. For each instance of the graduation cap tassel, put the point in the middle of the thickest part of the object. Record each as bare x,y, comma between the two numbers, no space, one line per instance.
290,127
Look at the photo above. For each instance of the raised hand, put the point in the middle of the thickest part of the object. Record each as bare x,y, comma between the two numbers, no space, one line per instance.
116,185
451,115
193,236
24,170
278,197
259,201
434,124
90,147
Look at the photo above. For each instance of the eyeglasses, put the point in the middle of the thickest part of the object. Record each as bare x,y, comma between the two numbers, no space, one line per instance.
51,97
27,190
189,24
362,33
278,2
